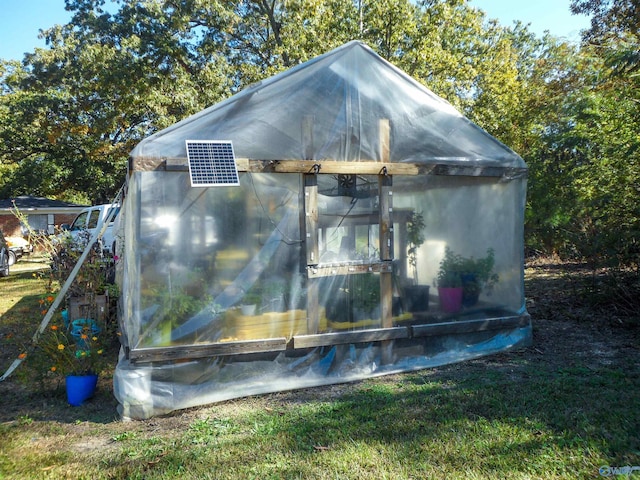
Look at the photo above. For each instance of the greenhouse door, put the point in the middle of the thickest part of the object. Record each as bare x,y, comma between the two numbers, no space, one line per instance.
376,214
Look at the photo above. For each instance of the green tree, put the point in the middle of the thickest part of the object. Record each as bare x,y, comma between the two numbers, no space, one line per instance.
609,18
69,114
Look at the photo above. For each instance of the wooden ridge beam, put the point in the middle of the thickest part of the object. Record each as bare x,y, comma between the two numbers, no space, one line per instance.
179,164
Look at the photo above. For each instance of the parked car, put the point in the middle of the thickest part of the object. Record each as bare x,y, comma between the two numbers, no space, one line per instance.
18,247
15,254
20,242
4,256
87,222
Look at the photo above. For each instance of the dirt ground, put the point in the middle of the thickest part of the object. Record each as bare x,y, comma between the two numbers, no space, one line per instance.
570,327
573,320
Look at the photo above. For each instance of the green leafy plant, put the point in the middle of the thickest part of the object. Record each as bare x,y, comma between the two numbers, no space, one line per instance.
415,237
365,291
172,307
478,272
64,252
474,274
252,298
449,274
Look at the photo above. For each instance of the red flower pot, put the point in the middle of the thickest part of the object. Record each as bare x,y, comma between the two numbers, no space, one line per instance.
450,299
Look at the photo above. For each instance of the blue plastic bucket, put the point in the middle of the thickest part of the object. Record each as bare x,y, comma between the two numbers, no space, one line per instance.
80,388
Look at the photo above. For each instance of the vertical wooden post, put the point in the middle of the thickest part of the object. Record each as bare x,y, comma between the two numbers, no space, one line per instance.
385,183
402,274
310,236
385,196
386,247
311,218
309,225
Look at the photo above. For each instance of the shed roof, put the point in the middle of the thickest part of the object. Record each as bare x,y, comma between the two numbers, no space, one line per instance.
332,108
30,203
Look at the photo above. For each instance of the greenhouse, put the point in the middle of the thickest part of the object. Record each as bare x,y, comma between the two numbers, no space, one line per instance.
334,222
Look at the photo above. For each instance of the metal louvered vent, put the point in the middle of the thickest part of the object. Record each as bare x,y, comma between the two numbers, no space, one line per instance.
212,163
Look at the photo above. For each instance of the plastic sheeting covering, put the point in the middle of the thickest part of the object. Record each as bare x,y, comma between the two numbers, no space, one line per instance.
222,267
344,94
146,391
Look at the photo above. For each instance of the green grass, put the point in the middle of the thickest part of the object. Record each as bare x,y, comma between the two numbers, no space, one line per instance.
554,425
519,415
20,310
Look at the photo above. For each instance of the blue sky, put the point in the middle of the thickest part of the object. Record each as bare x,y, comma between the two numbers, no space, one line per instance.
551,15
21,20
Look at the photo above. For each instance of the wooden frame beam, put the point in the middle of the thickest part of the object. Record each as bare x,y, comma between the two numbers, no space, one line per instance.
356,336
317,271
163,354
468,326
179,164
383,335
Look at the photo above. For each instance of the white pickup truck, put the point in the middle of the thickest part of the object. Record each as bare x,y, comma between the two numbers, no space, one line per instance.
91,219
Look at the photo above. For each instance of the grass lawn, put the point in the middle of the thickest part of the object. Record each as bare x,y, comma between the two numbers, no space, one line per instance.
563,408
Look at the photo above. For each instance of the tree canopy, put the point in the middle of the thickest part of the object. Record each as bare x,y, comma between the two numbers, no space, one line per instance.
118,71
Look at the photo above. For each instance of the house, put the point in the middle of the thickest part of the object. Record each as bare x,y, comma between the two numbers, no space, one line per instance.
297,234
43,214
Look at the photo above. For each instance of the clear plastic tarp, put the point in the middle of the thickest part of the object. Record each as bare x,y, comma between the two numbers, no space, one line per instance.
234,291
342,96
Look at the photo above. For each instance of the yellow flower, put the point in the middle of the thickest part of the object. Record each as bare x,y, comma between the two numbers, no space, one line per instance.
95,339
99,352
60,347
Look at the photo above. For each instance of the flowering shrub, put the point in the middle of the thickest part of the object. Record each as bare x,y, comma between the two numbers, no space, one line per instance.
78,346
72,348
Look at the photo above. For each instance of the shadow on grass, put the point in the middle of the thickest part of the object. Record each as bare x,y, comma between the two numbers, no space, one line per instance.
476,420
48,403
24,394
536,402
524,421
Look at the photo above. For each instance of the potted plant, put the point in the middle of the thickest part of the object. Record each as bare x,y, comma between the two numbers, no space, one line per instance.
77,351
450,282
417,295
174,307
75,348
477,274
250,303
